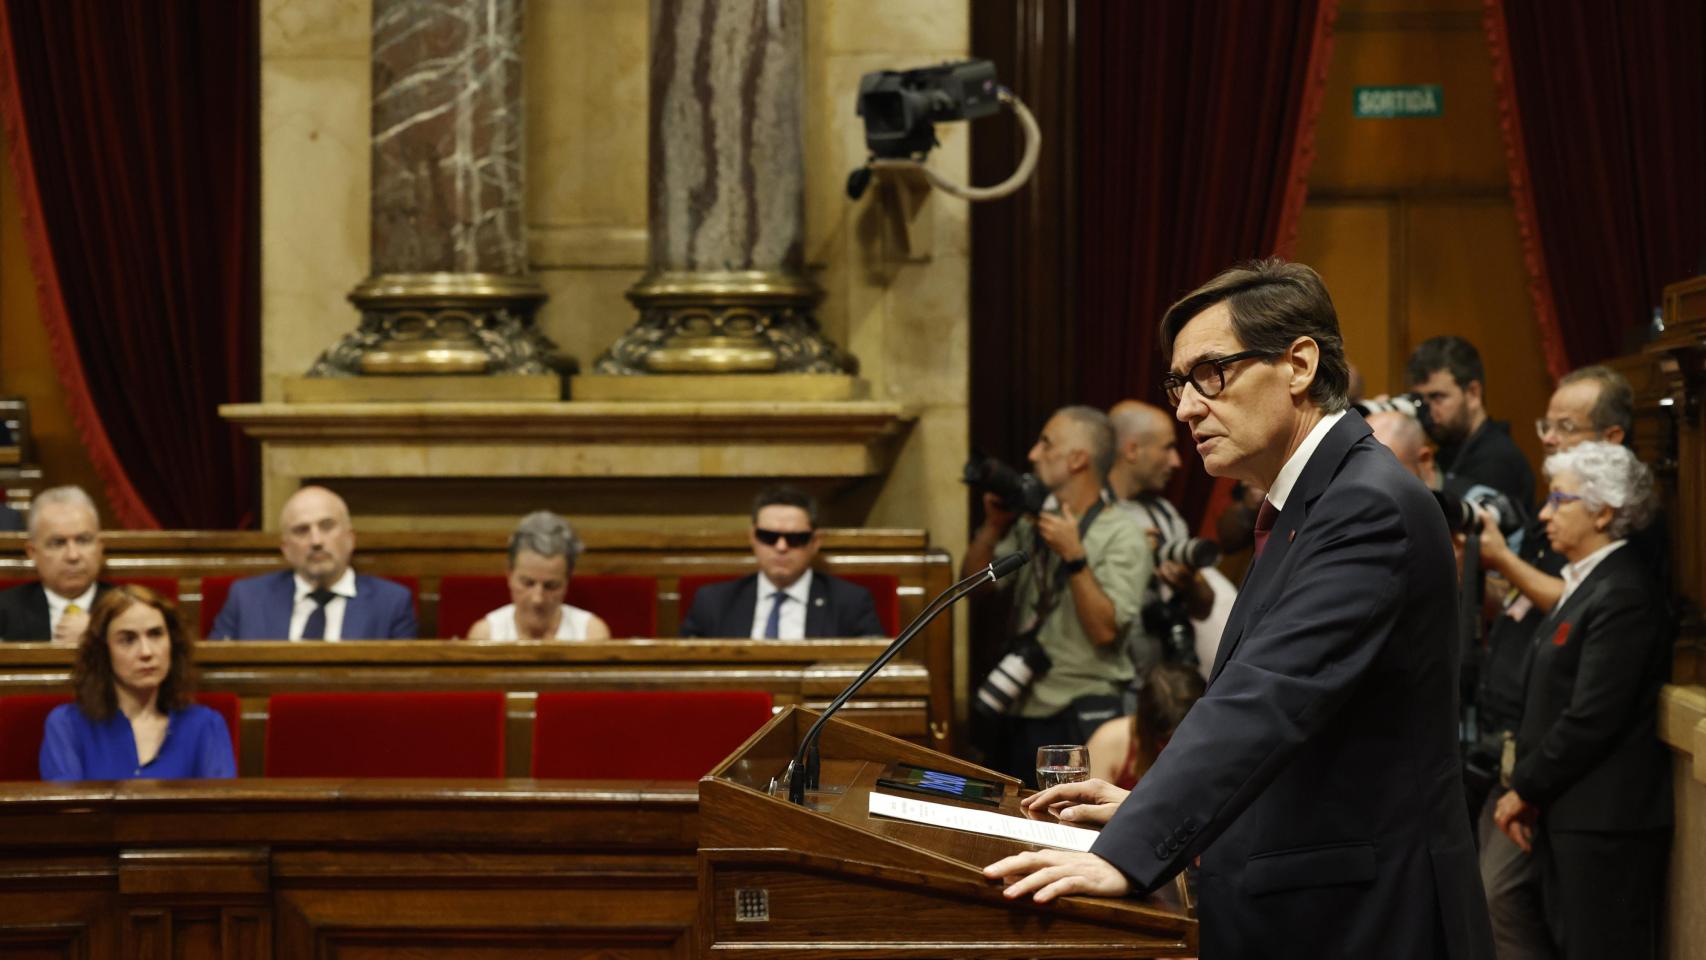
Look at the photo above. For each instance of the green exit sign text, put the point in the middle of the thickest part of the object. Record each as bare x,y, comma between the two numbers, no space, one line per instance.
1385,103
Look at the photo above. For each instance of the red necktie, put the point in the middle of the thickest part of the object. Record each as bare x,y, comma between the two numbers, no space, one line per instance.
1264,525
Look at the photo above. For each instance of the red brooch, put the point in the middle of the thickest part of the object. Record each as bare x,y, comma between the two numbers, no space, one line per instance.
1561,635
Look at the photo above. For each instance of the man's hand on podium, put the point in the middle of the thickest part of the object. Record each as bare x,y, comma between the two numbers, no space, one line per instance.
1047,874
1087,803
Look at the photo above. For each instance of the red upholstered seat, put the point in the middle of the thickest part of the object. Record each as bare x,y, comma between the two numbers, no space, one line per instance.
22,718
231,709
643,734
386,735
884,587
214,590
627,603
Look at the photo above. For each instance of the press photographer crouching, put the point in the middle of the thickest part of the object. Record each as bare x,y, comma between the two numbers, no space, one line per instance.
1065,664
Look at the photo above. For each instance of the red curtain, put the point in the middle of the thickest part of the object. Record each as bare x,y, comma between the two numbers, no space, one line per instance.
1604,108
133,132
1196,134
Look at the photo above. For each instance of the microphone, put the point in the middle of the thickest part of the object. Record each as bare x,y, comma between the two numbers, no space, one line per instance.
803,769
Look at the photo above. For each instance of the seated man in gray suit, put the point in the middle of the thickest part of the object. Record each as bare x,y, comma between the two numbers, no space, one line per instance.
796,602
320,597
65,547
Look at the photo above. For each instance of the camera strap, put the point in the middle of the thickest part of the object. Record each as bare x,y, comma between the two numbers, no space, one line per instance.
1048,587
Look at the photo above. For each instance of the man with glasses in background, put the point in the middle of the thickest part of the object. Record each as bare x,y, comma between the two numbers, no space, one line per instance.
1593,403
786,599
65,546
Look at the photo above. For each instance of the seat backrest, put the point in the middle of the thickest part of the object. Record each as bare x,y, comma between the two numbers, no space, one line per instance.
386,734
22,719
215,588
628,604
884,587
231,708
642,734
885,593
689,585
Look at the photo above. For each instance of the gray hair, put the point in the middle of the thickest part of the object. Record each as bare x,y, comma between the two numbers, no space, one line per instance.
66,496
1615,405
1610,476
546,534
1098,432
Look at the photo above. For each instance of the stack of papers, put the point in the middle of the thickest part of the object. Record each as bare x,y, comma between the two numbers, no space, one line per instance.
986,822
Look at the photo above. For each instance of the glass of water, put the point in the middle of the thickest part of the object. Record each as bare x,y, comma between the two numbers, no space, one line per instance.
1062,763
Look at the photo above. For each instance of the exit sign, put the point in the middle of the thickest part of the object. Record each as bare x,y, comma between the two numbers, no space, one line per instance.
1386,103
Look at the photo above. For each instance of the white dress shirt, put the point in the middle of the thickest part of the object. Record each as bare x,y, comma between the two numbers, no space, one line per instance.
793,622
1293,468
56,605
1575,573
344,588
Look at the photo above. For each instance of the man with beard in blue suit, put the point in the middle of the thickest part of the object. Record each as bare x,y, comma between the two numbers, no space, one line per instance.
319,597
1318,778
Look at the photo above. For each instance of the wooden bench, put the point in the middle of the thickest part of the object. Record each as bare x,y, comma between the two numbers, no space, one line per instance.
333,868
426,558
898,701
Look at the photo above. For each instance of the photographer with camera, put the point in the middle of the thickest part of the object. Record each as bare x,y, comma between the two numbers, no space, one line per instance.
1186,602
1593,403
1065,665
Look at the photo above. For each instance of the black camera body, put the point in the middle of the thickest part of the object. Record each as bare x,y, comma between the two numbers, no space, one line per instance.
901,107
1018,492
1460,511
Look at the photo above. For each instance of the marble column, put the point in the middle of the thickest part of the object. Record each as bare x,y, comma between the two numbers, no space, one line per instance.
726,289
449,290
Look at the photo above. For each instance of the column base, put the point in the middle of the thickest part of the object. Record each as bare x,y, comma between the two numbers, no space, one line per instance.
724,323
438,324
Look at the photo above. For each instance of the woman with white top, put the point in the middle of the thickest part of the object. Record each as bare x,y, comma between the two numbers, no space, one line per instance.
542,554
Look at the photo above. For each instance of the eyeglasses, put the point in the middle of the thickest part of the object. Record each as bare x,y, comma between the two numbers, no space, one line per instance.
795,540
1208,376
1562,428
1558,498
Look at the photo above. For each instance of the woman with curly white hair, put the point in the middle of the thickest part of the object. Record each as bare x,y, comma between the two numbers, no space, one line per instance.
1590,793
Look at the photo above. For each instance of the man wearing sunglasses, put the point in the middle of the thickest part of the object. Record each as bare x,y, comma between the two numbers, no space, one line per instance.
786,599
1317,778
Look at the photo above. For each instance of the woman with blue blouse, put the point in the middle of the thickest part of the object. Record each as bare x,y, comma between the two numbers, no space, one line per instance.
133,718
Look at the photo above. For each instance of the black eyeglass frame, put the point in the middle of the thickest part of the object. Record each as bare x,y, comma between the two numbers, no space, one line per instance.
1173,385
797,539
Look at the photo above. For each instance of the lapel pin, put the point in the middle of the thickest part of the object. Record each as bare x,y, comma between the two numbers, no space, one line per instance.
1291,537
818,602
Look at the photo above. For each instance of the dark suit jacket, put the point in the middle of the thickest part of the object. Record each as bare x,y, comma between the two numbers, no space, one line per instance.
258,608
837,609
11,521
1588,750
24,615
1318,776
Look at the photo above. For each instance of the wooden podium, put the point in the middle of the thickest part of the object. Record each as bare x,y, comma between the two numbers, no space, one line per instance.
828,880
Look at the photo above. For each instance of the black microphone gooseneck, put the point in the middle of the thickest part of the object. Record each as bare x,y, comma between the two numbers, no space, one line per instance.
802,771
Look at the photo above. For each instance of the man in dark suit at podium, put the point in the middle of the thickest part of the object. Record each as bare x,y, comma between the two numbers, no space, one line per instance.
797,602
1318,777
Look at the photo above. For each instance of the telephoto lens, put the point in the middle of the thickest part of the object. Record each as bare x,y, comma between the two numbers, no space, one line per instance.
1011,677
1193,552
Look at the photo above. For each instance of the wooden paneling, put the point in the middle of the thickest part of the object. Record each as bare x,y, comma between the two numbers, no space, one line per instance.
1410,220
374,869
